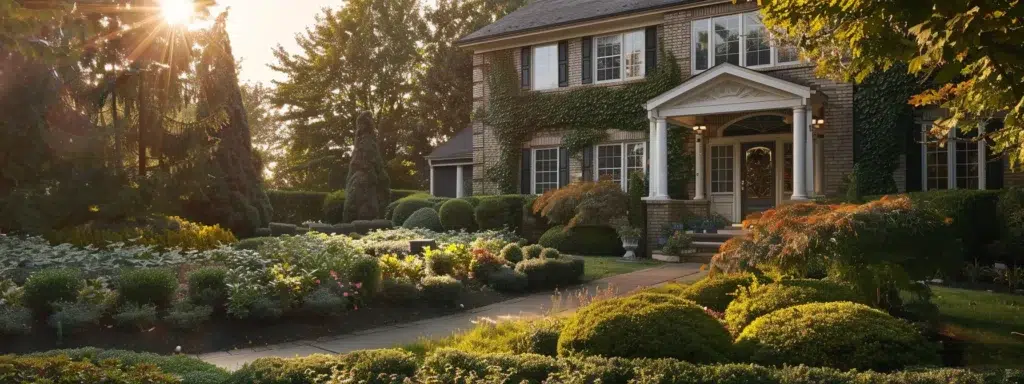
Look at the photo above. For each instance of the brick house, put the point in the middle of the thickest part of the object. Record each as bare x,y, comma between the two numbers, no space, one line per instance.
763,130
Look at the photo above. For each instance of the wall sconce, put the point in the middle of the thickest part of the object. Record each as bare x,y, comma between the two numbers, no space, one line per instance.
818,123
699,129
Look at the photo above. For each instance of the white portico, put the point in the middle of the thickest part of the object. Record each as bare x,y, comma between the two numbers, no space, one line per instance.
754,139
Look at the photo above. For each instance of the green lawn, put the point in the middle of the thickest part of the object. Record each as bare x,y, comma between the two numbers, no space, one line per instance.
597,267
986,321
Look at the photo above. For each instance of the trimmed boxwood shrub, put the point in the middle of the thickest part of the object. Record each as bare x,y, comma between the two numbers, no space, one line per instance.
424,218
457,215
49,286
443,366
550,253
399,291
532,251
512,252
190,369
406,208
551,273
484,265
508,280
716,292
282,229
646,325
60,369
296,207
333,207
366,271
841,335
365,366
973,213
252,243
763,299
398,194
442,290
344,229
583,240
497,212
147,286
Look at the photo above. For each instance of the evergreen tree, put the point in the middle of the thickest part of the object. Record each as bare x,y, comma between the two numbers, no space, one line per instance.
233,195
369,187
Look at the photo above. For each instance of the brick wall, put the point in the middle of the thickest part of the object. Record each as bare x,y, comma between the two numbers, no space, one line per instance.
661,213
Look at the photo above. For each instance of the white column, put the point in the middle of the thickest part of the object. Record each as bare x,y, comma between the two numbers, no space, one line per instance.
809,165
799,153
459,182
699,171
982,158
431,164
652,147
662,159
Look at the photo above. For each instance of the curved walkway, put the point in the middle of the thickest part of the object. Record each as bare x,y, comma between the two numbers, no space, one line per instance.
538,304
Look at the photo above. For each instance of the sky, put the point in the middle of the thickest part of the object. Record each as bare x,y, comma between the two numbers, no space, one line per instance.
256,27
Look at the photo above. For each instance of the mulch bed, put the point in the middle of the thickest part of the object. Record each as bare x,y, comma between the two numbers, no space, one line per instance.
221,333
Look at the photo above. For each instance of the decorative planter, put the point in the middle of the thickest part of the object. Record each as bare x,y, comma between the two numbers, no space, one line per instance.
630,245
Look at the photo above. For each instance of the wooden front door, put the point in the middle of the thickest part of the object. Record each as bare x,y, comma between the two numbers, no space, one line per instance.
757,177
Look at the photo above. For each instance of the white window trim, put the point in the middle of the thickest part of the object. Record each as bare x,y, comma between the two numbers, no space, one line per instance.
624,167
534,67
622,58
709,27
711,168
951,163
533,167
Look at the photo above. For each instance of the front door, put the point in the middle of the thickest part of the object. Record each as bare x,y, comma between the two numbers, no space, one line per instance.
757,177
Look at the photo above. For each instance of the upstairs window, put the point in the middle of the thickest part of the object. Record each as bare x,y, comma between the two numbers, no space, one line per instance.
545,67
738,39
619,56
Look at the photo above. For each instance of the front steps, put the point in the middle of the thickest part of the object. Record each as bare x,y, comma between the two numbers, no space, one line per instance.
706,244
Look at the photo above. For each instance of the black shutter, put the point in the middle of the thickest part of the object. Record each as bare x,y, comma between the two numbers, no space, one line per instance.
525,172
651,50
563,167
587,59
588,164
563,63
524,62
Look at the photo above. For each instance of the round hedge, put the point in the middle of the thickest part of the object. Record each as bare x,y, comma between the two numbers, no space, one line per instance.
647,325
406,208
583,240
424,218
841,335
491,214
512,253
763,299
457,214
716,292
532,251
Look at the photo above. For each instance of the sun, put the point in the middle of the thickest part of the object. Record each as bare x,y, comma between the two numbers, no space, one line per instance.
177,12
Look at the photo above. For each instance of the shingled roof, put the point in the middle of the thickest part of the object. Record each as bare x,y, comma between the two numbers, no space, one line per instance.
457,147
549,13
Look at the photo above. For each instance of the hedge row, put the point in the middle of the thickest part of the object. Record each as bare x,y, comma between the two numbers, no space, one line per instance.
297,207
482,212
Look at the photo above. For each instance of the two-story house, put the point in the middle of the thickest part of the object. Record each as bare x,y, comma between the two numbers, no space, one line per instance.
761,127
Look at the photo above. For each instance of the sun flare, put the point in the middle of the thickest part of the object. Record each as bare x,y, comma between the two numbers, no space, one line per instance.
177,12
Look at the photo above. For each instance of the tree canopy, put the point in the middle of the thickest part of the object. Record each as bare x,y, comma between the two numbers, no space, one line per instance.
969,52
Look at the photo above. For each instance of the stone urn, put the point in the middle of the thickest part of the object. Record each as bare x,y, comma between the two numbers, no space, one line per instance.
630,244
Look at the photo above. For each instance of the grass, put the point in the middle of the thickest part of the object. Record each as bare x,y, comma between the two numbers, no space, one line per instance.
986,322
599,267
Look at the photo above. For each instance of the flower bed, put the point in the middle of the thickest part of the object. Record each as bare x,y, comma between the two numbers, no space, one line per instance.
274,290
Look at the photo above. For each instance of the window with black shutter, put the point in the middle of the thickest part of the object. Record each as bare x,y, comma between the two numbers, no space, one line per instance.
587,59
563,63
524,62
651,50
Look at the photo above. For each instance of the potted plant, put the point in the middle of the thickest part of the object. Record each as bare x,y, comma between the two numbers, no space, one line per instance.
680,244
630,240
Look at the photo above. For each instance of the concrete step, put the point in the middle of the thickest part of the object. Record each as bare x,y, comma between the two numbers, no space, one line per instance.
699,257
702,245
719,237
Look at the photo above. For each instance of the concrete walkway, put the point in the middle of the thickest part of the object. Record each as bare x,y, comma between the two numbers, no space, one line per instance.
538,304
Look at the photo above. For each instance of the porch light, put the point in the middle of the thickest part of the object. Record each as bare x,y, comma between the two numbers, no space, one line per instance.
818,123
700,128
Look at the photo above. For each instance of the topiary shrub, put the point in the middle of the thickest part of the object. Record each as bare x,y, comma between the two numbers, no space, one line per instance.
532,251
716,292
344,229
457,215
509,281
646,325
50,286
550,273
147,286
367,187
424,218
365,270
406,208
332,207
512,252
485,265
497,212
399,291
366,366
442,290
518,336
761,300
208,286
583,240
841,335
550,253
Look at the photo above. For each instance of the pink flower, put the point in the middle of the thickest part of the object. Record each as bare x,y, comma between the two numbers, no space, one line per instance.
355,307
346,294
317,281
334,275
359,285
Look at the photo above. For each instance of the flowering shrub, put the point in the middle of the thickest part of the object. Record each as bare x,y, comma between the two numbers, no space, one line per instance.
584,203
453,259
880,246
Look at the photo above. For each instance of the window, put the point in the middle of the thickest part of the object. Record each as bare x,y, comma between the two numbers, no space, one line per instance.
738,39
721,168
758,47
727,39
620,56
545,67
956,165
545,170
617,162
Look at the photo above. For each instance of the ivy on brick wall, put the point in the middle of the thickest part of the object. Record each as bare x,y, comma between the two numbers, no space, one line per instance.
516,115
881,116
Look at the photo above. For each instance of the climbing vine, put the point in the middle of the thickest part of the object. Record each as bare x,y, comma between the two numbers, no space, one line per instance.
516,115
881,117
